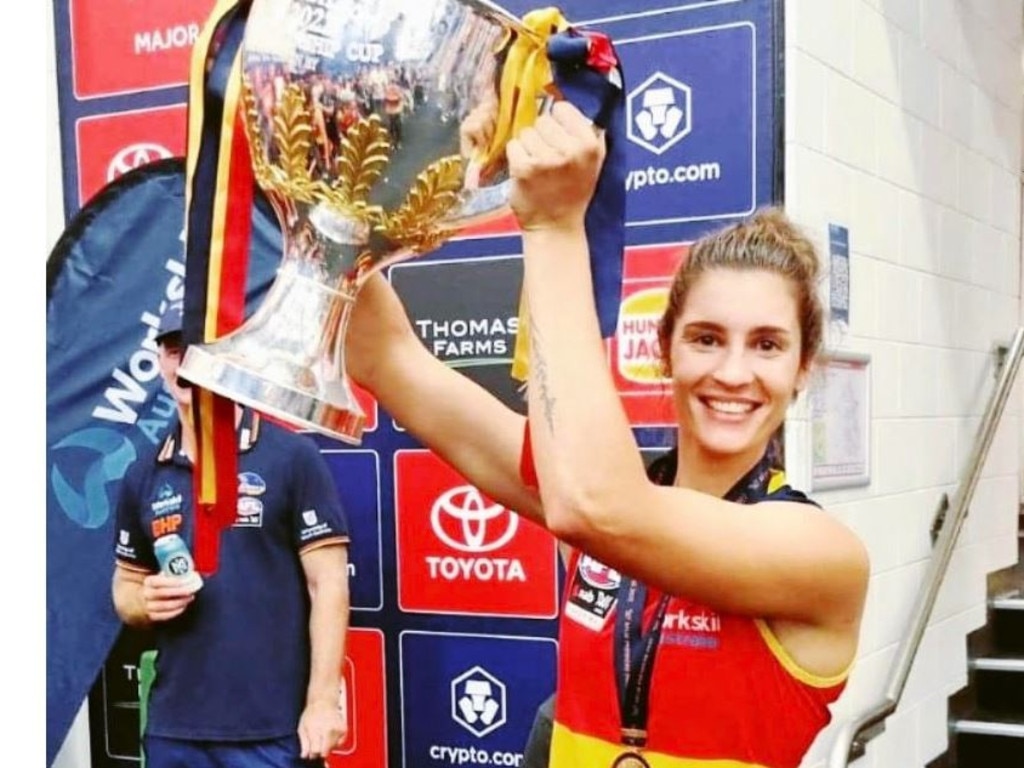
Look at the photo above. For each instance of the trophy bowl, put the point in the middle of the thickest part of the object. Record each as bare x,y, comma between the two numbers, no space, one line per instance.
352,111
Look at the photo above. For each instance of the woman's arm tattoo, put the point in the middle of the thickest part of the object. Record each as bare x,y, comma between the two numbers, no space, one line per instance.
539,376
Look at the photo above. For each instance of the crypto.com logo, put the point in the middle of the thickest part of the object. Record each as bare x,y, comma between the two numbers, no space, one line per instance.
466,522
105,455
658,113
134,155
478,701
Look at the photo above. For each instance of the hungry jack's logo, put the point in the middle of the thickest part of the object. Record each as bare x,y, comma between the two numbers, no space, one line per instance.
634,351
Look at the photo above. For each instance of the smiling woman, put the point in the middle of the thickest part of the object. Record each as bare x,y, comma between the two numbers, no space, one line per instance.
704,586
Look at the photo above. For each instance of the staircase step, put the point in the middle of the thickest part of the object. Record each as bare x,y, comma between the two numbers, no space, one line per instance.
999,662
1011,601
1007,624
999,687
991,724
988,740
978,751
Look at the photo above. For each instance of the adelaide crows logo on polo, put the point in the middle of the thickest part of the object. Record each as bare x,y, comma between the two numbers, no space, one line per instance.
462,552
251,484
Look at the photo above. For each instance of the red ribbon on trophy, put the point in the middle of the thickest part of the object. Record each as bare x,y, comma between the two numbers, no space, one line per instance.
219,188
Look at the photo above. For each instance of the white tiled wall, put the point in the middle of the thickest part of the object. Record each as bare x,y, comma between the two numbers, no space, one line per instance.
903,123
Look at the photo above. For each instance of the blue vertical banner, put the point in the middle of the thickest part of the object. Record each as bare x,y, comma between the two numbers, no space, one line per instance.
839,274
109,277
454,597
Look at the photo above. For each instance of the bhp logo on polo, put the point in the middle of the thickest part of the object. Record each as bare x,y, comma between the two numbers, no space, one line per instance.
462,552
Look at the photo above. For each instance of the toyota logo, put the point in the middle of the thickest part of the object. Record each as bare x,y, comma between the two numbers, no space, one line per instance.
467,522
133,156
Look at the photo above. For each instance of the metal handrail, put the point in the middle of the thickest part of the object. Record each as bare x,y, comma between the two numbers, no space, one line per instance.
855,734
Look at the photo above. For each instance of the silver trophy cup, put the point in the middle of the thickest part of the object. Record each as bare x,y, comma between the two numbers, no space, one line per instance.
353,110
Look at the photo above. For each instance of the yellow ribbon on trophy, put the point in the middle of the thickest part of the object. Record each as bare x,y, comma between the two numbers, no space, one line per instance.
525,80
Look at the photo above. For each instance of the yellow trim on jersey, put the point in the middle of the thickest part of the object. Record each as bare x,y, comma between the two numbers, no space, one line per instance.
571,750
790,665
776,481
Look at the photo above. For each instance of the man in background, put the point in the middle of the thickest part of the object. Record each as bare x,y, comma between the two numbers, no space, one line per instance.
249,658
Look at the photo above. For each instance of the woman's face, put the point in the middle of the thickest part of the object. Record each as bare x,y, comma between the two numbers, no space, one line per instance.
735,360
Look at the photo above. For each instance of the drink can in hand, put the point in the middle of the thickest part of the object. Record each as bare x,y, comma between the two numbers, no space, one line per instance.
175,559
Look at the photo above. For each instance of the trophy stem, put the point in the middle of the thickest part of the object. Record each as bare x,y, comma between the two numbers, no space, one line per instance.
288,359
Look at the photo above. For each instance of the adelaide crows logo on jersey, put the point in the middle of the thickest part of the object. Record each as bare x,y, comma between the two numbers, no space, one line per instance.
592,593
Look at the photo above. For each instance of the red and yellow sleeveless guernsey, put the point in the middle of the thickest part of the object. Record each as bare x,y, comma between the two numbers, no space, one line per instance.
723,692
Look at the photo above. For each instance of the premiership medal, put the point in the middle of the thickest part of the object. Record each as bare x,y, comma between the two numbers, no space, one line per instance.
630,760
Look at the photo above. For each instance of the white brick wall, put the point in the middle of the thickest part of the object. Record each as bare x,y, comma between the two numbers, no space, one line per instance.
903,123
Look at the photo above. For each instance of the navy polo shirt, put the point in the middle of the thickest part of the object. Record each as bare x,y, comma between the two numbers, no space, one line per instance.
235,665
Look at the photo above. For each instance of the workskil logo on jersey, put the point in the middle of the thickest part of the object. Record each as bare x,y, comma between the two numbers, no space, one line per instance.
692,627
462,552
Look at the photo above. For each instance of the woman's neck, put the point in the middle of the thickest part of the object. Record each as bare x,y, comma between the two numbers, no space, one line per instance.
713,473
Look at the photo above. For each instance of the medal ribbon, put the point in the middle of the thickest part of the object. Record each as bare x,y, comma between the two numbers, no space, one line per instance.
635,650
634,658
581,66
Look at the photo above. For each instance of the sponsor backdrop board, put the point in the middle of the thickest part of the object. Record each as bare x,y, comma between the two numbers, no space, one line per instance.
453,596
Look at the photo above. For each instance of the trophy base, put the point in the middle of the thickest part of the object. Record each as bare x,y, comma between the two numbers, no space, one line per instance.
341,421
